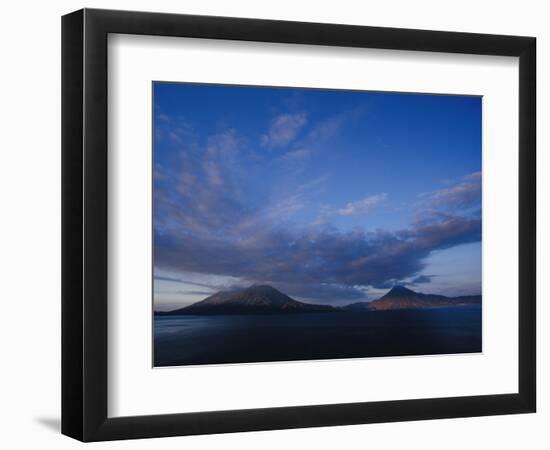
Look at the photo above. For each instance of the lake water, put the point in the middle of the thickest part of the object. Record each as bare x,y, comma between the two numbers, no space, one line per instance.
184,340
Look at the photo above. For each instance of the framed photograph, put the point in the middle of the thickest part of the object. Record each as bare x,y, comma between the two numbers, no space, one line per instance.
273,224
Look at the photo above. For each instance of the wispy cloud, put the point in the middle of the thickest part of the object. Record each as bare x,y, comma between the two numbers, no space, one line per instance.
183,281
297,155
362,206
462,195
283,130
422,279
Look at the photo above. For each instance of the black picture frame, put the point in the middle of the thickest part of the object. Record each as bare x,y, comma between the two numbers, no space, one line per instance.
84,224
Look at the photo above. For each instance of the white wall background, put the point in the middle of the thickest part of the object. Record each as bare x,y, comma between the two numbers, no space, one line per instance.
30,225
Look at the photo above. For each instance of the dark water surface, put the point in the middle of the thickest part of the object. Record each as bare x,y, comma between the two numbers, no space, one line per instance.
183,340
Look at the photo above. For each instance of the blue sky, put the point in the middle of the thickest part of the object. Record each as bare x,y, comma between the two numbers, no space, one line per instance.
331,196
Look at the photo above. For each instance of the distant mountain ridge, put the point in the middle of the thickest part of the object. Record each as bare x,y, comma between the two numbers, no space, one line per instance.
265,299
400,297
